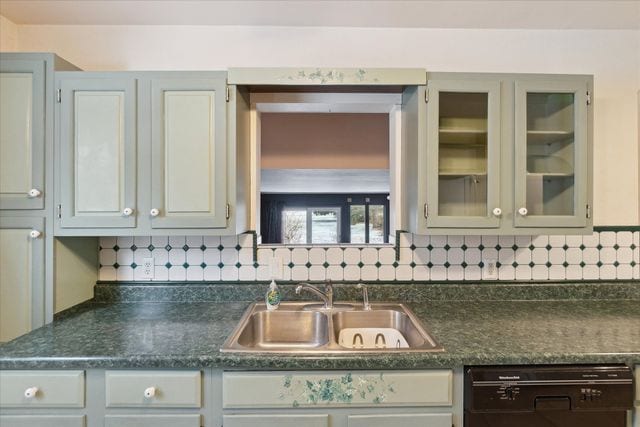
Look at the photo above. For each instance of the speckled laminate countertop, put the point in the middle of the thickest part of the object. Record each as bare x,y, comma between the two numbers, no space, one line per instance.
189,335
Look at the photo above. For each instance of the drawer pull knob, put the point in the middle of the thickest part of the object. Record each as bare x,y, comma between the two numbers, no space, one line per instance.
523,211
154,212
34,192
31,392
127,212
149,392
497,212
35,234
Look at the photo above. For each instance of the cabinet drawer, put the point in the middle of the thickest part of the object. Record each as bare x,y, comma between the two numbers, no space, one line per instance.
192,420
638,388
335,389
276,420
51,389
42,421
153,389
404,420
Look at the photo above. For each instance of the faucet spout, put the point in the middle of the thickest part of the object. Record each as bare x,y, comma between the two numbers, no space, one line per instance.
326,296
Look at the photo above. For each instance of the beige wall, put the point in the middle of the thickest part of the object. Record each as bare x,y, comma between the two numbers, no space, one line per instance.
324,141
8,35
612,56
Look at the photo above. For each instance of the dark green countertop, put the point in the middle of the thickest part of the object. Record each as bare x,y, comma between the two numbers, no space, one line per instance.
190,334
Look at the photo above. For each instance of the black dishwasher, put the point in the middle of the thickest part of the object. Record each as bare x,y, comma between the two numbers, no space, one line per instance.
548,396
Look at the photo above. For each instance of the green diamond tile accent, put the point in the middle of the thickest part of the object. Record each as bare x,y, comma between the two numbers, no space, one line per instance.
498,264
220,264
185,265
464,264
429,264
582,264
599,264
116,248
429,247
256,265
203,265
395,264
238,247
548,264
616,247
565,264
481,264
616,263
203,248
633,246
599,247
116,265
134,265
447,247
378,264
633,263
238,265
185,248
291,265
565,247
412,247
220,247
583,247
168,265
361,264
325,264
498,247
464,247
168,247
134,248
514,247
151,248
548,247
532,264
343,264
514,264
308,264
413,264
481,247
531,247
447,265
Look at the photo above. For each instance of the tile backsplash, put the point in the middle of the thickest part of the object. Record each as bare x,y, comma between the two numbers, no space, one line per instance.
606,255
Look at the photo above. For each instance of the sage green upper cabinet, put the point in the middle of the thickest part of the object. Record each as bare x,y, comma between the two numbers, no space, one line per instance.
22,133
189,153
98,151
551,153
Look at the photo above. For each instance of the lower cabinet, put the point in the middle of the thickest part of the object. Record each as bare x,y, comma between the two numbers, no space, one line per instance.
42,421
403,420
636,422
191,420
276,420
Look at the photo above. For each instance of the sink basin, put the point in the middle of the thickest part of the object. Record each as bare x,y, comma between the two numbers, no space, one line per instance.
308,328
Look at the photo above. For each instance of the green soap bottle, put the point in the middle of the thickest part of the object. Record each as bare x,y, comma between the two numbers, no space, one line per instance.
272,298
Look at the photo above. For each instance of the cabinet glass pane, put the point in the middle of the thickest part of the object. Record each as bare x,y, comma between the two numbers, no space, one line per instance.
357,223
294,226
462,153
550,153
324,225
376,224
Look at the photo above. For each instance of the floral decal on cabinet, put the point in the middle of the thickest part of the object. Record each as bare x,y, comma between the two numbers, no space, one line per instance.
327,76
341,390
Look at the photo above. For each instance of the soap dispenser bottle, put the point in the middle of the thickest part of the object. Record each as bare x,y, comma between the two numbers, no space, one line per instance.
272,298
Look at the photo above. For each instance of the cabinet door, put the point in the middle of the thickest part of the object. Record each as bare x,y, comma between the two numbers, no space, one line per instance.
189,151
21,276
98,152
42,421
404,420
22,146
276,420
187,420
551,154
463,154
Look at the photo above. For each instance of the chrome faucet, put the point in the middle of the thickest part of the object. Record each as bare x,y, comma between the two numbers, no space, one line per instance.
326,296
365,297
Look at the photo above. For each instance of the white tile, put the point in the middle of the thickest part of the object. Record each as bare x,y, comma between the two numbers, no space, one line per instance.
573,241
473,272
574,272
351,256
299,273
335,256
177,273
211,241
177,257
246,240
523,241
540,241
404,272
473,256
523,256
369,256
540,255
142,241
406,240
107,242
211,256
421,240
193,241
523,272
177,242
557,241
160,273
195,257
438,273
263,272
317,256
107,257
352,272
557,256
540,272
421,272
592,240
406,256
212,273
506,256
608,272
557,272
573,256
369,273
624,272
335,273
455,272
300,256
229,273
506,272
159,241
245,256
124,256
591,255
124,241
489,241
229,241
317,272
438,256
590,272
196,273
472,241
387,255
455,256
607,255
455,241
107,273
438,241
160,256
636,271
247,272
229,256
608,238
264,255
140,254
284,254
421,255
636,238
506,241
624,255
386,272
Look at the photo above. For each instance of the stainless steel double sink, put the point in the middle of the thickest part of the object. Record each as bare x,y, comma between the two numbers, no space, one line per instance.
308,328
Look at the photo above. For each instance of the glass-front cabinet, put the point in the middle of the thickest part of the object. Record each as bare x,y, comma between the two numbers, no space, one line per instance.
550,154
463,154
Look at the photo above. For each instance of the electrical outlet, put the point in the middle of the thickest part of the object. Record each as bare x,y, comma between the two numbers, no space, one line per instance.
275,267
490,269
147,268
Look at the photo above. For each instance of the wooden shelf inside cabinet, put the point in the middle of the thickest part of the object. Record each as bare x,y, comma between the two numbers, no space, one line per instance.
550,174
462,136
549,136
461,173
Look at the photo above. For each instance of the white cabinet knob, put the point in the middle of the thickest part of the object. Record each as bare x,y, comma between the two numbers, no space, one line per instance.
149,392
34,234
31,392
127,211
34,192
154,212
497,212
523,211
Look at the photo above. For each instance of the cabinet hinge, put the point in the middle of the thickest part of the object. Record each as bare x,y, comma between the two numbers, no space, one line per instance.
588,211
588,98
59,96
426,95
426,210
228,211
59,211
227,94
